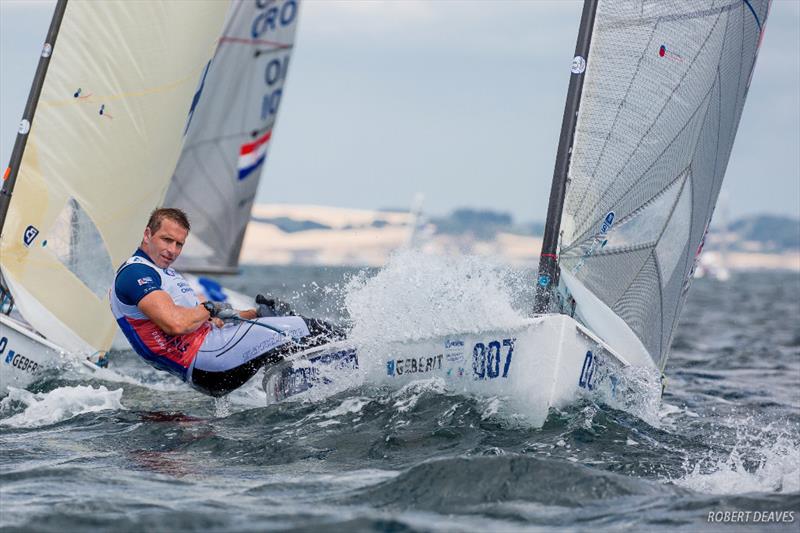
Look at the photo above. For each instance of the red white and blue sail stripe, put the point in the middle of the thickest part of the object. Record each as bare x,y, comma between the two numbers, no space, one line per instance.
252,155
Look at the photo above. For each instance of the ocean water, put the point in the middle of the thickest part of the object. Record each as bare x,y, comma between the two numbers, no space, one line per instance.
131,449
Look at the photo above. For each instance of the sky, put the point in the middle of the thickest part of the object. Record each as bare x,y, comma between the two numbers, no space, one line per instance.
460,101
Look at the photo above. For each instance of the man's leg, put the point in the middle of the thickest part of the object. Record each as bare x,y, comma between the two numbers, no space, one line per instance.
230,356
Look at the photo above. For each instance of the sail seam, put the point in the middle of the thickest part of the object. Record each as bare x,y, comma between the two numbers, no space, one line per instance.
626,249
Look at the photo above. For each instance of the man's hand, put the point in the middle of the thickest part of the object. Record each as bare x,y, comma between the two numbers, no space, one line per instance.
217,309
272,307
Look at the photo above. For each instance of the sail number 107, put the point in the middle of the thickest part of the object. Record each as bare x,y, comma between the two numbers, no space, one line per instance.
488,360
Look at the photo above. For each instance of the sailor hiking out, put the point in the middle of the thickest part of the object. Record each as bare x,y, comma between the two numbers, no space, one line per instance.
212,347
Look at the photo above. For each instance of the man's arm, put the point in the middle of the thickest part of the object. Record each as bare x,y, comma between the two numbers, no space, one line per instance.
170,318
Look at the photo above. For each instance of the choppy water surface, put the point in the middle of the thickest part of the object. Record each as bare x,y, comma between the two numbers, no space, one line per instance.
131,449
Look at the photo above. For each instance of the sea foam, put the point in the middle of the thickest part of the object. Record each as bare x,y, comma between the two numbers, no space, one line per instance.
63,403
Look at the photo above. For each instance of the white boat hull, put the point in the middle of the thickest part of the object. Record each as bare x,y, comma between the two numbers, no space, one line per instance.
24,355
547,362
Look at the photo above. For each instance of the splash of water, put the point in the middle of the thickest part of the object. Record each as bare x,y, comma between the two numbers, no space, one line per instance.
222,407
419,295
763,459
636,390
63,403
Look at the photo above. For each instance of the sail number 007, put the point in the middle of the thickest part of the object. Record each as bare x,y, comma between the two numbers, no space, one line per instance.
487,359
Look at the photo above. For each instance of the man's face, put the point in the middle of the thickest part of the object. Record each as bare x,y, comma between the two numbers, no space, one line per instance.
165,245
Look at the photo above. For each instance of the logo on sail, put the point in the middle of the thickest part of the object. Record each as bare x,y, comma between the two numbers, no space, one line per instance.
252,154
598,241
663,51
578,65
29,235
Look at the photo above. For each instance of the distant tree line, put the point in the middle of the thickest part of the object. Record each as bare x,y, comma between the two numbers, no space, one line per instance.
777,233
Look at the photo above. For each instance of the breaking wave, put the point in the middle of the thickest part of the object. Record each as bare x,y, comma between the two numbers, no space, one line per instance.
63,403
762,459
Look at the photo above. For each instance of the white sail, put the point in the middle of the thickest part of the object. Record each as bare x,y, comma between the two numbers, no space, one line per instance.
106,136
664,91
228,138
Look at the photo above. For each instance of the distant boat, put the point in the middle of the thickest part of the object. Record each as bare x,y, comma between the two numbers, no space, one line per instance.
110,112
653,105
228,139
231,131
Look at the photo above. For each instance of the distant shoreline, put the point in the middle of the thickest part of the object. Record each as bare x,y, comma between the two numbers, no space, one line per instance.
331,236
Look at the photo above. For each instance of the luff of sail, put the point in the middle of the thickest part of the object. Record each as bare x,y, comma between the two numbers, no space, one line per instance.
228,139
105,138
663,95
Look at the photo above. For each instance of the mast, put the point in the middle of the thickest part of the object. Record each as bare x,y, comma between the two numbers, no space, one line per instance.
10,176
548,260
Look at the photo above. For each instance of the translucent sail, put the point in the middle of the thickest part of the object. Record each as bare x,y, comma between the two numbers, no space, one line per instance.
664,90
106,136
230,133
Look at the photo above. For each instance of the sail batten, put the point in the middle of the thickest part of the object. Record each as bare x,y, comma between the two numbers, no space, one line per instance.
663,95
